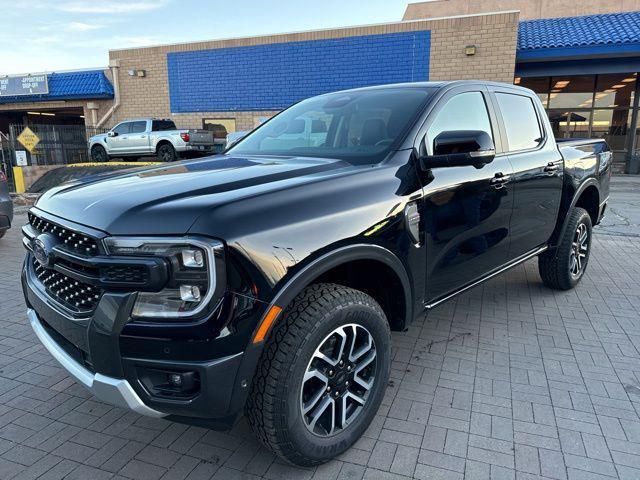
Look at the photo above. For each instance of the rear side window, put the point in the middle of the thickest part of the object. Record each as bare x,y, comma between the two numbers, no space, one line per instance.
138,127
162,125
520,121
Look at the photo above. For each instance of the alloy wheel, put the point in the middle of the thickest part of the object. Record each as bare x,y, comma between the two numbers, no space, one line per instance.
579,250
338,380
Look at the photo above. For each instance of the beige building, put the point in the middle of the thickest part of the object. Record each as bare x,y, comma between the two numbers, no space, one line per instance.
493,35
582,58
528,9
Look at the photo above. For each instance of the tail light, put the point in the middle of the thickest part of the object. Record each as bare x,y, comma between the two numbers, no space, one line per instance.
184,136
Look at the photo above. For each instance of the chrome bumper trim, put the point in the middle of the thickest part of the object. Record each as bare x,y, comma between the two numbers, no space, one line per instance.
115,391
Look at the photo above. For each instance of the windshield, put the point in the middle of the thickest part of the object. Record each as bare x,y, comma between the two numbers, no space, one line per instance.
359,127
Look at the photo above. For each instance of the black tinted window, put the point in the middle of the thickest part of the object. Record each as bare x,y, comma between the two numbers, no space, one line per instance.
356,126
162,125
138,127
520,121
122,128
466,111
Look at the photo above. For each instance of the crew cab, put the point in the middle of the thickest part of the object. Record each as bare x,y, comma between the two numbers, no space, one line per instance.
266,280
150,137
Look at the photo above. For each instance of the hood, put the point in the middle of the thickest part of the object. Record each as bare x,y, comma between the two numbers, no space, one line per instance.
99,136
168,199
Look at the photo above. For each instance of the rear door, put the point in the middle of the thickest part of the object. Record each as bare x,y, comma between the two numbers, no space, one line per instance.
466,210
538,168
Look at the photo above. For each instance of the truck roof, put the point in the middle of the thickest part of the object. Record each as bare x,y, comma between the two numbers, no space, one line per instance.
438,85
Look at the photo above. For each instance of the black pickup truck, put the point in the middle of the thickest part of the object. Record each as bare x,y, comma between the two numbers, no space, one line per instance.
266,280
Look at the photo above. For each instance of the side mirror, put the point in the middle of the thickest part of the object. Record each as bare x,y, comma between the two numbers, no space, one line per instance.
111,133
460,148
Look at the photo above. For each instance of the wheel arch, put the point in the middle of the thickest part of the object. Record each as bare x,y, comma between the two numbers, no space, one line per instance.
376,264
163,141
584,196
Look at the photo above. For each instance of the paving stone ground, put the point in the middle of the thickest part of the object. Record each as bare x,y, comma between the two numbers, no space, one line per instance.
509,381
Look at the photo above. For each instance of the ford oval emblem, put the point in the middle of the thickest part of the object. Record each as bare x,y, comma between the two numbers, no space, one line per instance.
42,248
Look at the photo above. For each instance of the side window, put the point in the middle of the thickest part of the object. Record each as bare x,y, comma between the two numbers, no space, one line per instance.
520,121
138,127
123,128
466,111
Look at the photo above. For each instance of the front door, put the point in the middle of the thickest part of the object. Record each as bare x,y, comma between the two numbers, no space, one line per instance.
466,210
117,143
538,170
138,138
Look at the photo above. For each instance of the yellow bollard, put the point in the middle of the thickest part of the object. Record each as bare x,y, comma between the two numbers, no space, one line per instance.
18,179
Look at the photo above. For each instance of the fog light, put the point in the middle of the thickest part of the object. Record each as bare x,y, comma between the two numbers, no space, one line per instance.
190,293
175,379
193,258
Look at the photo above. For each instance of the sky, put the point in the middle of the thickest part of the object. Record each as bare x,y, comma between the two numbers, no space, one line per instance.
39,35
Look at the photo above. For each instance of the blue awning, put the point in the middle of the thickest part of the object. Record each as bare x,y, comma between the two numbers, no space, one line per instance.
82,85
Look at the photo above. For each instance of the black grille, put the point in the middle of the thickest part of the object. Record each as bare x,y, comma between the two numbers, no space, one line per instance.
124,273
75,241
72,294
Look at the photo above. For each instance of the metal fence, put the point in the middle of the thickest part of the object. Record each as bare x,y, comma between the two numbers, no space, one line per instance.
58,145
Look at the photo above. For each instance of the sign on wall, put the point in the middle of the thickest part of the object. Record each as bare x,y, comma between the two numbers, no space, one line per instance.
21,158
24,85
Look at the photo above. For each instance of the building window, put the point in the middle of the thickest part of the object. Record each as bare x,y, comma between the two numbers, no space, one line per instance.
615,90
540,85
591,106
572,92
221,127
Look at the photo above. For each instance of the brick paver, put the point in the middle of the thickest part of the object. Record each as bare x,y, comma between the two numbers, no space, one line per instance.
508,381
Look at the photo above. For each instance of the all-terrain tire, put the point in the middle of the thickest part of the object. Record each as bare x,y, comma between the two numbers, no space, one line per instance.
166,153
555,266
99,154
274,404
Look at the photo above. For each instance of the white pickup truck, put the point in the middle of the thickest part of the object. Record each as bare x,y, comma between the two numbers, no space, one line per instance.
150,137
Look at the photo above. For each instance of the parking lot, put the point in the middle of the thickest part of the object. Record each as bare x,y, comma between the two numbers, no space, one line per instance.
510,380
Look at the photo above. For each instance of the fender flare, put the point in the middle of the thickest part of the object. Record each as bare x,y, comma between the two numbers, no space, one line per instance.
339,256
587,183
299,281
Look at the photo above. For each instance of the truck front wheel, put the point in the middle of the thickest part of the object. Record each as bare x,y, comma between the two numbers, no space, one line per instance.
99,154
563,267
322,375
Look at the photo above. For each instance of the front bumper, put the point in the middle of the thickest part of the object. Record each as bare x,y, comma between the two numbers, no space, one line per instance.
115,391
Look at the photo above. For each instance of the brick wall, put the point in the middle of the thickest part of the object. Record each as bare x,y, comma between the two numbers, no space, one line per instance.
495,39
494,35
529,9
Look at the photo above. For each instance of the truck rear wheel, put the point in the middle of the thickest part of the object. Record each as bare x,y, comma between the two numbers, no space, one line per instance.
166,153
99,154
563,267
322,375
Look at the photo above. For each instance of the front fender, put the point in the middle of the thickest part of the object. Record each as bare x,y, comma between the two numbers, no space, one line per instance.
337,257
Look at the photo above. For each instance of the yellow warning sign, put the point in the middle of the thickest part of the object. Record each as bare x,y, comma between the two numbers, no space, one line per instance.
28,139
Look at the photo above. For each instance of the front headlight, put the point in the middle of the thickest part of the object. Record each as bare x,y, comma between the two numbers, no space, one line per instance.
192,277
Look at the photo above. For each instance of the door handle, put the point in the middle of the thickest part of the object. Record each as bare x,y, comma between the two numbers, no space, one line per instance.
551,167
500,180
